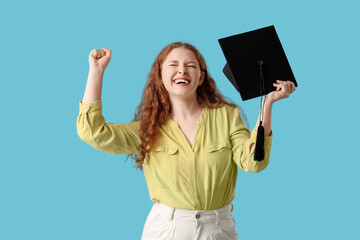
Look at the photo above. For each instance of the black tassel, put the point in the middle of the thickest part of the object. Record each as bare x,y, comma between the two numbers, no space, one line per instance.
259,146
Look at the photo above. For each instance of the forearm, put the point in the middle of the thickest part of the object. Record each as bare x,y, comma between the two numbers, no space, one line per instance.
93,86
266,123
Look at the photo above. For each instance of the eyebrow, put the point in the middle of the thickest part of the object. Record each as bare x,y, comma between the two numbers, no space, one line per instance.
178,61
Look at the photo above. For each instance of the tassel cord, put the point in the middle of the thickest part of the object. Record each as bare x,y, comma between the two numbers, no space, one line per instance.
259,146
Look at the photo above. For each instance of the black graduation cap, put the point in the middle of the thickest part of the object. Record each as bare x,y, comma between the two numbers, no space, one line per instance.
255,60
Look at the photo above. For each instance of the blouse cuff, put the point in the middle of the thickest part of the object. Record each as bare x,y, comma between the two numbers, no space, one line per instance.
92,107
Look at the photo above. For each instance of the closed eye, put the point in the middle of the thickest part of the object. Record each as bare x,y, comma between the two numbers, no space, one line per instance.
173,65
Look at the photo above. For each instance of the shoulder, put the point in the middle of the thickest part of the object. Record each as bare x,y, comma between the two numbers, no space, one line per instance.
223,112
135,125
223,109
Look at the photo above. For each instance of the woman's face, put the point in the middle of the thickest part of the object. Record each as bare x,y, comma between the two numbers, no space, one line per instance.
181,64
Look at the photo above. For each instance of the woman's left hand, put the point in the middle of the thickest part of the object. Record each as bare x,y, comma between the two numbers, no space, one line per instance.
283,90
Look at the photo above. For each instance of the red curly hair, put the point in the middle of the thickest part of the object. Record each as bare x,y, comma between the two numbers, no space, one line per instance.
155,108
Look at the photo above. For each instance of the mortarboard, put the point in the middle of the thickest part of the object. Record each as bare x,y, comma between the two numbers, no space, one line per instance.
255,60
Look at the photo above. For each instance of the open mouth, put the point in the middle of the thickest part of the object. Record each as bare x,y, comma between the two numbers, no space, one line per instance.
181,82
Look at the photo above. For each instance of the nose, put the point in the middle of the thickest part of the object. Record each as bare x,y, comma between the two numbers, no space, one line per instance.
182,70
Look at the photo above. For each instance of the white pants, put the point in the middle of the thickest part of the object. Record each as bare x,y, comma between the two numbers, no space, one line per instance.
168,223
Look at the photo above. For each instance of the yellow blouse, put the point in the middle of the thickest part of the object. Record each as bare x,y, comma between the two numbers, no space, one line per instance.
201,177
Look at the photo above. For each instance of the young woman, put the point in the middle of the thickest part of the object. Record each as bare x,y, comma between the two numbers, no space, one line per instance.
186,138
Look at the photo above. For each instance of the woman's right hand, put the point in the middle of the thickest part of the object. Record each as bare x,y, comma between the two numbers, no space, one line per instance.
99,58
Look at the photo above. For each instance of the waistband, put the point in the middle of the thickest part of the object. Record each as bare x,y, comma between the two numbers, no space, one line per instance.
201,215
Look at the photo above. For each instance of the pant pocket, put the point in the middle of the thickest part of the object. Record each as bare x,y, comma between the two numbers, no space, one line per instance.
227,230
155,218
157,227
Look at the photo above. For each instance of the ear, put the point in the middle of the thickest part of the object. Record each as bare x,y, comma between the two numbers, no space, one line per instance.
202,78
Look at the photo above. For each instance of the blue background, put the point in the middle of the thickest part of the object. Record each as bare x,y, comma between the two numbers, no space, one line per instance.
54,186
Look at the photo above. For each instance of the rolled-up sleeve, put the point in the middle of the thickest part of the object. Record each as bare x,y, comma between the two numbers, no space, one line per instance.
113,138
241,140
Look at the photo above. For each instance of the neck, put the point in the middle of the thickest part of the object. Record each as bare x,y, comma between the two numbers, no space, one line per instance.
185,109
